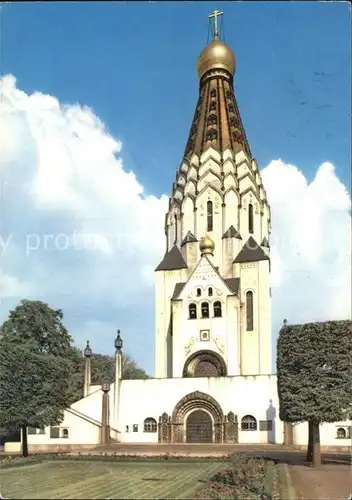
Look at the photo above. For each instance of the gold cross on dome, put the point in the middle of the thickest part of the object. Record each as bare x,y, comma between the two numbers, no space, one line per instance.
217,13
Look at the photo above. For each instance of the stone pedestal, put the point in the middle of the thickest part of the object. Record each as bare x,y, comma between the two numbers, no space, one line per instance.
230,428
105,427
164,428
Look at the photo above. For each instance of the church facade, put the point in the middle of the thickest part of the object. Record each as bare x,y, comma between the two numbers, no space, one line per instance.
213,364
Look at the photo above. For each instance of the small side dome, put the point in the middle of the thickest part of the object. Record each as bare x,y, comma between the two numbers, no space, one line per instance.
206,245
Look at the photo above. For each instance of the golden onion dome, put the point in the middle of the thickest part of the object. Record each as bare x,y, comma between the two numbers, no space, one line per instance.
216,55
206,245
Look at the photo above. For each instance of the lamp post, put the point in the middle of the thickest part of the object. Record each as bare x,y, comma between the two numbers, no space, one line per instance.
88,351
87,368
118,342
105,427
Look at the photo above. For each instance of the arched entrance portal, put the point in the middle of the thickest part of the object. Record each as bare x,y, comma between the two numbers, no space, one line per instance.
199,427
197,418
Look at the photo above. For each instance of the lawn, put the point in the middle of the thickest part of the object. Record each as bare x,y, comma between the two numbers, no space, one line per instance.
88,479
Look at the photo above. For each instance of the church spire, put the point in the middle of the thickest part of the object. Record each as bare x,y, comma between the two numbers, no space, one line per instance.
217,122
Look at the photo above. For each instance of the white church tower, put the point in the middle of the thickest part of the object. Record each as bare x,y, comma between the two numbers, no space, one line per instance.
212,287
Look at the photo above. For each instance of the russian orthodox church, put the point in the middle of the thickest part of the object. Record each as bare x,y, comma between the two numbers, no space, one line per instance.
213,365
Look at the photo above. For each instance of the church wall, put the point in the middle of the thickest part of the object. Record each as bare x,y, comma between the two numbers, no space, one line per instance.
223,330
80,432
190,253
201,215
249,273
264,315
231,353
93,388
246,200
187,339
231,210
264,222
328,434
178,336
227,257
188,217
90,405
164,287
249,396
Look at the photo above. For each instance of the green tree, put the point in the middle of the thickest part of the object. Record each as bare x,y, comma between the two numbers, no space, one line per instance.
76,376
33,389
314,376
103,368
38,327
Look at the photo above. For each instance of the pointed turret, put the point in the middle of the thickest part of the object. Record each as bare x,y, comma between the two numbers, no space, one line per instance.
217,122
218,175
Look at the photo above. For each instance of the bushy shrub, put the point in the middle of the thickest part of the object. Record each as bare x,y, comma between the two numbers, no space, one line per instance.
244,479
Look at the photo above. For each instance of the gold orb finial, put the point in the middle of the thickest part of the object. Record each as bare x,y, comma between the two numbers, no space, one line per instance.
217,55
206,245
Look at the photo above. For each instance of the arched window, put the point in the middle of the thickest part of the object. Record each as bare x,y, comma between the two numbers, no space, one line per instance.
212,120
341,433
211,135
249,311
205,310
199,292
175,228
217,309
248,423
209,215
237,137
212,93
192,308
150,425
210,291
65,433
250,219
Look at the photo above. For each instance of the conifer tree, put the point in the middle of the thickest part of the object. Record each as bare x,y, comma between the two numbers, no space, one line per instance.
314,376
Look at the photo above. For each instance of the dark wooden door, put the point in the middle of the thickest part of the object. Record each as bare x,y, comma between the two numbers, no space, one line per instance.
199,427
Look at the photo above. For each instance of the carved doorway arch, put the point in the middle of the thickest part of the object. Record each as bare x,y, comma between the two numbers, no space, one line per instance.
199,401
205,364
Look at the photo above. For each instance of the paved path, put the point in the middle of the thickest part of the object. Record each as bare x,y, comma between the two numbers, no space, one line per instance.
329,482
276,452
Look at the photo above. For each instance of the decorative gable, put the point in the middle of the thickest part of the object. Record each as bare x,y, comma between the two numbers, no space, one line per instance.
205,275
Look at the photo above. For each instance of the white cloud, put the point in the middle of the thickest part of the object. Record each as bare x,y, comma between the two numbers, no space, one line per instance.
310,245
79,232
10,286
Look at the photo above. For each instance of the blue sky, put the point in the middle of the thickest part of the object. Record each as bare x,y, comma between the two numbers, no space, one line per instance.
134,65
